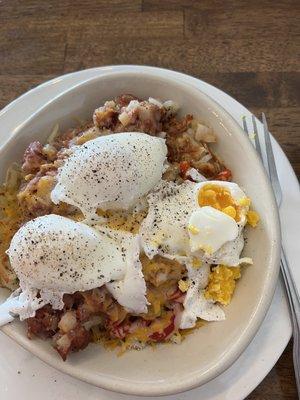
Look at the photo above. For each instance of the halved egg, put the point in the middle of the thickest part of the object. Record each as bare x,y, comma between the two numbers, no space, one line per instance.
203,220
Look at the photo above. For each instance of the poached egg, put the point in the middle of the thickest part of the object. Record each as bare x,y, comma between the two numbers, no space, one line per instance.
111,172
53,255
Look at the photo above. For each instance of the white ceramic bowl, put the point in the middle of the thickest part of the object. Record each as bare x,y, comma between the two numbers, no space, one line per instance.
213,348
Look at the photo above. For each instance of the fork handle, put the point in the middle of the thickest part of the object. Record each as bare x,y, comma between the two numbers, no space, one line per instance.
294,301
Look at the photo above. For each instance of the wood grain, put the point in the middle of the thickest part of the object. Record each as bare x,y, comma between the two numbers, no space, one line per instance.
67,8
248,48
279,383
150,5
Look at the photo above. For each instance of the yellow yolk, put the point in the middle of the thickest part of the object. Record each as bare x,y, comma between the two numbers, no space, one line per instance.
222,283
244,202
230,211
220,198
252,218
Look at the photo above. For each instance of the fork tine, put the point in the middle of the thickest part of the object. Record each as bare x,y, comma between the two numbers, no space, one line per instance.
256,138
245,126
291,288
271,162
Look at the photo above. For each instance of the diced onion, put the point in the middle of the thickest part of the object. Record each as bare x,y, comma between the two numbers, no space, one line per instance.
155,101
204,134
206,158
110,104
53,134
63,342
68,321
171,107
132,105
13,176
195,175
124,118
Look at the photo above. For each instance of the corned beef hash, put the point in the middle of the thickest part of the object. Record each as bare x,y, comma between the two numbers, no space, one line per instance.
126,230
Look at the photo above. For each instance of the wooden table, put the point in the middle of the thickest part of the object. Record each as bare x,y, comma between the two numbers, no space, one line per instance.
250,49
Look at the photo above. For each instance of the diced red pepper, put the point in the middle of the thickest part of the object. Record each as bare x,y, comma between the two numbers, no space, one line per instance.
119,330
160,336
184,166
224,175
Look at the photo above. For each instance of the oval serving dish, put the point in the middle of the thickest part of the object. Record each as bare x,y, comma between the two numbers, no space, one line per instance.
211,349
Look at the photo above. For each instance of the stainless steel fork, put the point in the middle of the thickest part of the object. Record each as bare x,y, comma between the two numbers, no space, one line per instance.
290,286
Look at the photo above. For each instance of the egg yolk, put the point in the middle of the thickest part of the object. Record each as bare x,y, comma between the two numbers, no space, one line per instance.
252,218
222,281
220,198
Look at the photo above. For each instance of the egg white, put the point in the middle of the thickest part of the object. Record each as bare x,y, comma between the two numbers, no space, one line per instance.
130,291
110,172
195,304
53,255
210,229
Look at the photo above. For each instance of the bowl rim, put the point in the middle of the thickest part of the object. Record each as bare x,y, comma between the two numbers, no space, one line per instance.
192,380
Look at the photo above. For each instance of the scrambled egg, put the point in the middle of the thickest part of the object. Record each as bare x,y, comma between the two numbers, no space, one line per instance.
222,283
